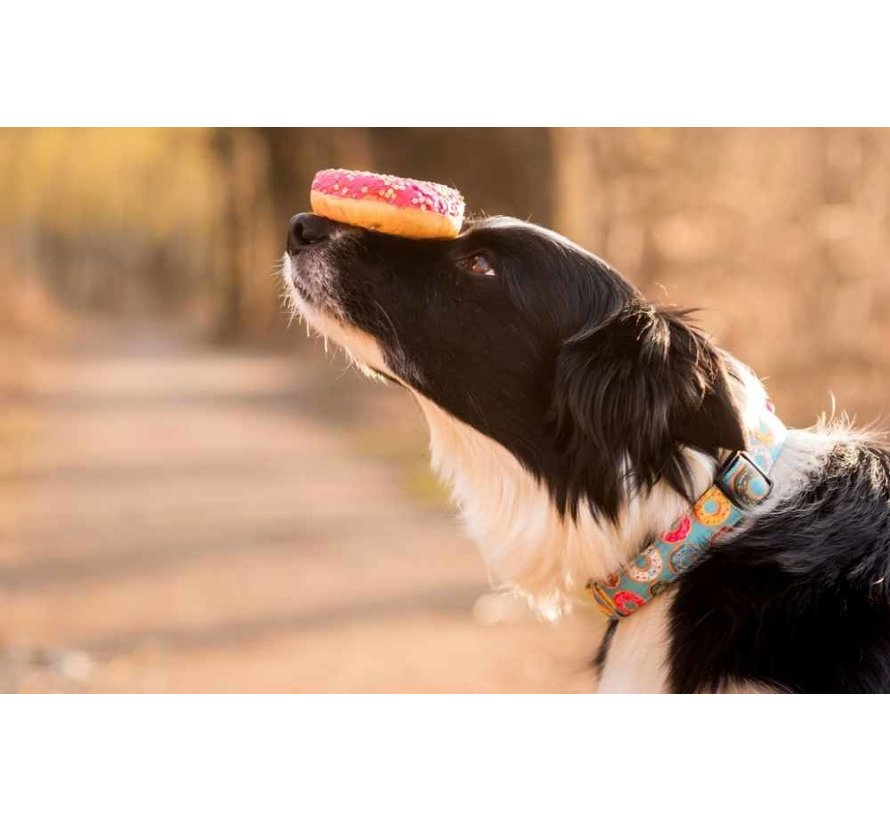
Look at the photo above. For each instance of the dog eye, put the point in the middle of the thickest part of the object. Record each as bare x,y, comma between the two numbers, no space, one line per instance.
478,263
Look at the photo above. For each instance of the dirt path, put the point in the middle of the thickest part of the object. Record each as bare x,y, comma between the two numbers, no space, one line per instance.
190,520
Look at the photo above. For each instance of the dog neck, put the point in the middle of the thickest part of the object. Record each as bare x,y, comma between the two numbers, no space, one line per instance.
527,544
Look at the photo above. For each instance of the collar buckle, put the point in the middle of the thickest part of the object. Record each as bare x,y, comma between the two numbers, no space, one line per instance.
743,481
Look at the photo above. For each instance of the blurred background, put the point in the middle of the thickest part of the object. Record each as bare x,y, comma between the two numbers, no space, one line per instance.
195,498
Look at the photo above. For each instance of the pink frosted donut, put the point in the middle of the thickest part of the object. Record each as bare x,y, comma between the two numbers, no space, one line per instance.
395,205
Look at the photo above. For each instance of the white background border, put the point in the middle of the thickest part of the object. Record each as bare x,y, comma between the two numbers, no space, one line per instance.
319,62
445,756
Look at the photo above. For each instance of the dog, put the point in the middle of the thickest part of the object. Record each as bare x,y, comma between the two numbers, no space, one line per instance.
587,434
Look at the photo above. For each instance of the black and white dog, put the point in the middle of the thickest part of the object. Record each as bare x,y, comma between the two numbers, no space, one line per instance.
575,422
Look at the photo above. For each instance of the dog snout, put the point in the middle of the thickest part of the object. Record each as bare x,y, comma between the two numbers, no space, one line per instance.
307,229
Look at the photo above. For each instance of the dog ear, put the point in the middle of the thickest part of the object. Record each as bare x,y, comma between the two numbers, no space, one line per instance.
630,392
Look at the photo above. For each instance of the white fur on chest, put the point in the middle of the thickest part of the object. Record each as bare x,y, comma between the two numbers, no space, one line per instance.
527,545
549,558
637,659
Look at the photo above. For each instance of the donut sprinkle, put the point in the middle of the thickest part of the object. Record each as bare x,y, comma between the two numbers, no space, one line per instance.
400,192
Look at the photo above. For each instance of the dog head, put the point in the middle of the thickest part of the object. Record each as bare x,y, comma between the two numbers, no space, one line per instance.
529,341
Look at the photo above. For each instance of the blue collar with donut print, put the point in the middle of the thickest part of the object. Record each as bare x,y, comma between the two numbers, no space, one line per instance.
742,483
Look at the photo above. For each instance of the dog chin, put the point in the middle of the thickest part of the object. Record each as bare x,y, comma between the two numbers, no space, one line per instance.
362,348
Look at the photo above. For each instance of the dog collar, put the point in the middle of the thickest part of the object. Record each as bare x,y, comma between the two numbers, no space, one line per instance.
742,483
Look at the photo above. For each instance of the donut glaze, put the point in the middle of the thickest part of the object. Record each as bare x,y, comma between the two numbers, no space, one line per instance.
381,202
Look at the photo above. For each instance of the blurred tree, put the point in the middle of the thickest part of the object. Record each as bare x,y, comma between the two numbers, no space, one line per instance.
498,170
777,233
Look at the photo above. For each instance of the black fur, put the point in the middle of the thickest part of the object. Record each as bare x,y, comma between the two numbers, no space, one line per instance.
557,357
638,386
602,654
800,601
596,392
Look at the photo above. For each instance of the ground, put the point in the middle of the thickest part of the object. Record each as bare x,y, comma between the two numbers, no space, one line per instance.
176,517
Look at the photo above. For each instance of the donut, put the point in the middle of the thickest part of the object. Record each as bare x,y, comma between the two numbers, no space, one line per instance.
394,205
647,567
713,508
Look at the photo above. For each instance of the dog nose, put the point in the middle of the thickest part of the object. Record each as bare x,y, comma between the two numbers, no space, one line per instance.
307,229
